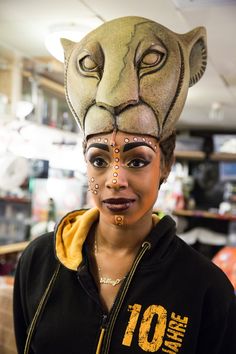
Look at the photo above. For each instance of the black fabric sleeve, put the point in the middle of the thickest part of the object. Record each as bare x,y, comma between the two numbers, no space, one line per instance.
218,331
34,270
229,336
20,322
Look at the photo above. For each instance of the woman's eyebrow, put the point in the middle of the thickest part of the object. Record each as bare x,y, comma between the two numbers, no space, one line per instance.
133,145
99,146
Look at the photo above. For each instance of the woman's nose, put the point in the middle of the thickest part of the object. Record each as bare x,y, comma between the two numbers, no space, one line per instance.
117,179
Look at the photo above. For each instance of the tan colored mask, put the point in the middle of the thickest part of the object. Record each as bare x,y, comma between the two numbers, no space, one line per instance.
132,74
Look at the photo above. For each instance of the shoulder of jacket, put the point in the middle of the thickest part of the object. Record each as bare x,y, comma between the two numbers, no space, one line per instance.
202,269
40,242
38,250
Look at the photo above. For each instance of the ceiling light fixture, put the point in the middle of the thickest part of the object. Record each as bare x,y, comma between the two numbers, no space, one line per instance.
74,31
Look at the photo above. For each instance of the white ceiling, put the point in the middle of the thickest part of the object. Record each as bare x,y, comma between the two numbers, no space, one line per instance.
24,24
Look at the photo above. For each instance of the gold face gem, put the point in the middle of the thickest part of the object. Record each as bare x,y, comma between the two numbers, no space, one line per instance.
119,219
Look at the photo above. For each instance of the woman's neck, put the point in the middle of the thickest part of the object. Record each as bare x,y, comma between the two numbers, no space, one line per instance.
123,239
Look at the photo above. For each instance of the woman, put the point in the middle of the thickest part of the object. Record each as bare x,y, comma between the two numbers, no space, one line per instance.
116,278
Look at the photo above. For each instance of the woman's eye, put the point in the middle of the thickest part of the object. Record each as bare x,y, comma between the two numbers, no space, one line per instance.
137,163
98,162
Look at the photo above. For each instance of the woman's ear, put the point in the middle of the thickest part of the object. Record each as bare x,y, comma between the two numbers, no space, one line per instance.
166,168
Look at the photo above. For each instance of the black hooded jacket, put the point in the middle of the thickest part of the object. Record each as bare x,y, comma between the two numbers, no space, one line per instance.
173,300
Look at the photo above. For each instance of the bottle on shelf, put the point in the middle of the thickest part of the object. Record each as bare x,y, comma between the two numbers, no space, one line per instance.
51,219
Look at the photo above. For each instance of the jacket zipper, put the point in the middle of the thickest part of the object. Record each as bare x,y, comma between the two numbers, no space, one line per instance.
108,327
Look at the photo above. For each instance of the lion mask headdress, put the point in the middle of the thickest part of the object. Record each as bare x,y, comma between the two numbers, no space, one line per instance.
132,74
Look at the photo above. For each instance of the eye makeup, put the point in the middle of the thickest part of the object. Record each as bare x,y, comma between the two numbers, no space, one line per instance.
135,144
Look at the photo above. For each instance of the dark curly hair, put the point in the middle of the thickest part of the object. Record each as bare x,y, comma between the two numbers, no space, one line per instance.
167,147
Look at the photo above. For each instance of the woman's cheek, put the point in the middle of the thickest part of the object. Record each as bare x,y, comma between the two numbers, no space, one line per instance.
93,185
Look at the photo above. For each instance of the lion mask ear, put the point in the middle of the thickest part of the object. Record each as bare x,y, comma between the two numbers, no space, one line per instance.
67,45
196,41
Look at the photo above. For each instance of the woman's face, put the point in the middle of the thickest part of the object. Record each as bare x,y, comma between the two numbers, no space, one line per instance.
123,176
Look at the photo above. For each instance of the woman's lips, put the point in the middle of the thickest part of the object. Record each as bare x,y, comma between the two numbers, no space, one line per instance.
118,204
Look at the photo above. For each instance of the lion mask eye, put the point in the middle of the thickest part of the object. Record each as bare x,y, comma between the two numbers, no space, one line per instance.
88,64
152,60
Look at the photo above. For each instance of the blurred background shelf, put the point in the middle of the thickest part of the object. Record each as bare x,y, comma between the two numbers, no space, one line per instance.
190,155
204,214
13,248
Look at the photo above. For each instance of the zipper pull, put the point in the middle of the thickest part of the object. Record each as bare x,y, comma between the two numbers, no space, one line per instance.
104,321
103,328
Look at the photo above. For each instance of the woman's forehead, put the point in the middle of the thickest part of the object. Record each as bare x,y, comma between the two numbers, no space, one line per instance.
123,140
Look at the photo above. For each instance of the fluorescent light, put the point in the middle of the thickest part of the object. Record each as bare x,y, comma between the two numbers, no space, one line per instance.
182,4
